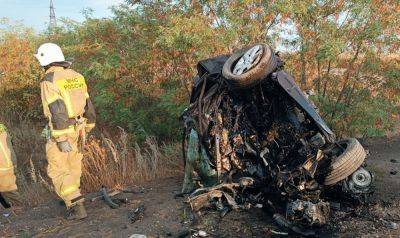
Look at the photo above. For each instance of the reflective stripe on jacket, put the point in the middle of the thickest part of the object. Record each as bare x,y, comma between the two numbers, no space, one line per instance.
65,98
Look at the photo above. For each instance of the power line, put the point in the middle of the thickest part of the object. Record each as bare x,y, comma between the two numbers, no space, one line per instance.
53,21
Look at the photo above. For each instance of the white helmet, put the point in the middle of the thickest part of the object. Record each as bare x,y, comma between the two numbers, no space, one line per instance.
49,53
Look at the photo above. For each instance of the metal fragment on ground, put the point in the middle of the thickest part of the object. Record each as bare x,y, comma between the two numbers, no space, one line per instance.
314,214
138,236
137,213
281,221
206,197
107,199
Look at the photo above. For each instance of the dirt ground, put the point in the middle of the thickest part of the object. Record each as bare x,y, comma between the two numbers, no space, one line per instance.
167,216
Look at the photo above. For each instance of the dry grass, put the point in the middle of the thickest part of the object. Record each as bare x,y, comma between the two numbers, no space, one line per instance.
111,161
121,162
32,180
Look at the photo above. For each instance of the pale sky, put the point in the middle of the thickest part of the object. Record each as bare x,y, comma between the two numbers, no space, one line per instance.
35,13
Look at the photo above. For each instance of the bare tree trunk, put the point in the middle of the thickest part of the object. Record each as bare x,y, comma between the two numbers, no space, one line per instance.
326,77
346,80
318,76
350,95
303,65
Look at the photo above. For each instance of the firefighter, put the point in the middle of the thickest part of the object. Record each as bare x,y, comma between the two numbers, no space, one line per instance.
71,115
9,196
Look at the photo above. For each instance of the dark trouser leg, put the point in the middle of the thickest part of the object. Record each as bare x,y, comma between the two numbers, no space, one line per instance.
3,202
13,198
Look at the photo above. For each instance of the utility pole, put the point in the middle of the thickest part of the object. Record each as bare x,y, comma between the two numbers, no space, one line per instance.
53,22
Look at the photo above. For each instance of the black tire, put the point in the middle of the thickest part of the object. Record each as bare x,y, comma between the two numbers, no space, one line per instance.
346,163
267,64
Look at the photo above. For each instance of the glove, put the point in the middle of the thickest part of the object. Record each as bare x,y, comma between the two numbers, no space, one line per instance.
89,127
46,133
64,146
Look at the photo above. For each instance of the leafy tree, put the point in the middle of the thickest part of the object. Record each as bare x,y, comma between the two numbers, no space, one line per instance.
140,62
19,73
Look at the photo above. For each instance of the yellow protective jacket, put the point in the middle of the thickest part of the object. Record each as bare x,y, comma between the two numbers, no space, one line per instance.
66,101
7,156
8,162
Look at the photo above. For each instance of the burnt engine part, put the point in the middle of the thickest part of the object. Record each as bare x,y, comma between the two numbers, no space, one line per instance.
314,214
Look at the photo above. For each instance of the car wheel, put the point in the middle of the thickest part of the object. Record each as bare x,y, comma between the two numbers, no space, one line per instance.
249,66
349,157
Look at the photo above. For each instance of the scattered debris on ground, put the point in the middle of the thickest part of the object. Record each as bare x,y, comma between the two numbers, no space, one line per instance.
168,217
113,198
136,214
138,236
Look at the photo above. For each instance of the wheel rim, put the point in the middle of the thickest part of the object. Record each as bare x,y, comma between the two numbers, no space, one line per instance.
248,60
361,178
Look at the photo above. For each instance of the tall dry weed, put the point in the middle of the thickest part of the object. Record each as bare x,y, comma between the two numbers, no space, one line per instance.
111,161
29,146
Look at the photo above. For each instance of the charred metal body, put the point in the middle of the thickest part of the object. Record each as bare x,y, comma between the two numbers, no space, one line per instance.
270,134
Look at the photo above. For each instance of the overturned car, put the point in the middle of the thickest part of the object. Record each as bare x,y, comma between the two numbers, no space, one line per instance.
253,138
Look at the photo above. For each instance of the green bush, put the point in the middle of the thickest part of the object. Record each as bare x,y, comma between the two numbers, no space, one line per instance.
140,62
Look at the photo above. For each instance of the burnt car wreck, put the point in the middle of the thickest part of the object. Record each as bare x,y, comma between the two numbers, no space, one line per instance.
252,138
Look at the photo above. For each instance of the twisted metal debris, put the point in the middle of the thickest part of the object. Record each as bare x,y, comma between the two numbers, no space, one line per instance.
263,143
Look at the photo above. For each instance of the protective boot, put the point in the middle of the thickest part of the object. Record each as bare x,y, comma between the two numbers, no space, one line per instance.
12,202
13,198
76,212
